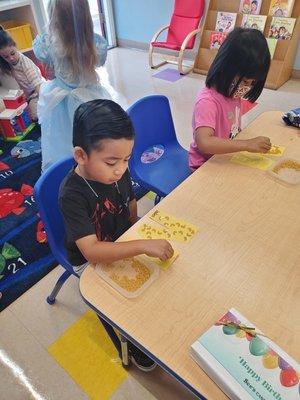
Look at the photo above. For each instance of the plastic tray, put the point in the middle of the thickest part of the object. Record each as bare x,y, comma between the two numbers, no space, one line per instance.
284,171
130,276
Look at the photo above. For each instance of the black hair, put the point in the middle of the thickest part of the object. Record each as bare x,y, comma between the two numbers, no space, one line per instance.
254,2
97,120
5,40
244,54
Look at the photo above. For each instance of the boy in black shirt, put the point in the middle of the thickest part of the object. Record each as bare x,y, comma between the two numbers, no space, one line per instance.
96,197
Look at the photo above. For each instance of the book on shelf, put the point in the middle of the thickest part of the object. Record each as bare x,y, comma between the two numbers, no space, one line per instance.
281,8
250,6
254,21
282,28
225,21
244,363
216,39
272,46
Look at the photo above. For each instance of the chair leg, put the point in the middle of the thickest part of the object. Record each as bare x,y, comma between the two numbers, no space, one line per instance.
153,66
51,298
157,199
180,64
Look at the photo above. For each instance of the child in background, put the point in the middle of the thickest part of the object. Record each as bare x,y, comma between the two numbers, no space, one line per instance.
96,197
22,69
73,51
239,71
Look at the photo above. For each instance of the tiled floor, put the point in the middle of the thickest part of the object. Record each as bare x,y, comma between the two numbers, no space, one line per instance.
30,325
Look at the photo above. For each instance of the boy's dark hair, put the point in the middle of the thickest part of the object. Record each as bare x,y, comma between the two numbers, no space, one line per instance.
5,40
97,120
243,54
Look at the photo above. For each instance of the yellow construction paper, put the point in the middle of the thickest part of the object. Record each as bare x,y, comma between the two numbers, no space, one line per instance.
148,231
276,151
179,229
86,352
166,264
252,160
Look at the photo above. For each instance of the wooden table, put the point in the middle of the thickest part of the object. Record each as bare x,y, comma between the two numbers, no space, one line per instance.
246,256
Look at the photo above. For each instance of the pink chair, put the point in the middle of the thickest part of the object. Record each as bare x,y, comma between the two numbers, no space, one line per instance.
182,32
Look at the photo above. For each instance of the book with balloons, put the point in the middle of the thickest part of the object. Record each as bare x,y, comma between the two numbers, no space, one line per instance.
244,362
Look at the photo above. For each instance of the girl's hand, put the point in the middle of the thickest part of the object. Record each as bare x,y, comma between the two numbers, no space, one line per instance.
260,144
159,248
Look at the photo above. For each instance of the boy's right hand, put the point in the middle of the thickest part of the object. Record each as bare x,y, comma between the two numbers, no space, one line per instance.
260,144
159,248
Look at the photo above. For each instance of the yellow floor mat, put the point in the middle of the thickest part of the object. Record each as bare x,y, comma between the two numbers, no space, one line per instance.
86,352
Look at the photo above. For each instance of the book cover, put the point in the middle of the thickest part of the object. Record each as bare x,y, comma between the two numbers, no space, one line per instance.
250,6
282,28
254,22
272,45
244,363
225,21
281,8
216,39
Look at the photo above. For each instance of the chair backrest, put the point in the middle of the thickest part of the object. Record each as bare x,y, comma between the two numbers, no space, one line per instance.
186,18
153,124
46,192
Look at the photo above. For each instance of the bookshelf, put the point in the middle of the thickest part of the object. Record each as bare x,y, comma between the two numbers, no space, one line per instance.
284,56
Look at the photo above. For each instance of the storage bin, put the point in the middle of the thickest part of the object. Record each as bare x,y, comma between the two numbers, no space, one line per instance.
21,33
14,99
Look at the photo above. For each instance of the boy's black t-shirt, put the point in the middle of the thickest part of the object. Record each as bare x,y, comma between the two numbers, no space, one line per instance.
84,214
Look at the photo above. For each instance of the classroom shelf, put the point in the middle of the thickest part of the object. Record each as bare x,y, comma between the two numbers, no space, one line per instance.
285,53
11,4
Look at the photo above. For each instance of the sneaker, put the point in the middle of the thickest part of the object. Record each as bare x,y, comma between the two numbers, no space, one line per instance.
140,360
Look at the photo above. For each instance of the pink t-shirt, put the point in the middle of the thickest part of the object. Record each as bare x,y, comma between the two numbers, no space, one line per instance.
216,111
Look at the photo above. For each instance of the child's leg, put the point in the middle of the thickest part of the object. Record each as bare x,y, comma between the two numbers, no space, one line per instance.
112,334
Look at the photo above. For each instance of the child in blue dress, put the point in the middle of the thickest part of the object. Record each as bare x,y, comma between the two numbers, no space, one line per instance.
72,50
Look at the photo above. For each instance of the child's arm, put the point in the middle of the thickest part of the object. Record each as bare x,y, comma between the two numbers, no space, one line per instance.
41,48
208,143
133,211
37,88
101,49
96,251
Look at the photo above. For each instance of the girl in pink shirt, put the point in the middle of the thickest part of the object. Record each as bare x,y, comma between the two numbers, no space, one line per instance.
239,71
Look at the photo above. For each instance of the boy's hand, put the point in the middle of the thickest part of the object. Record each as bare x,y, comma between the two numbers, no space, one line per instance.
159,248
260,144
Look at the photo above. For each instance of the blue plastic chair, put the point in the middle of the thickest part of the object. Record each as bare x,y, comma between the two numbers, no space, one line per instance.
46,192
152,120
